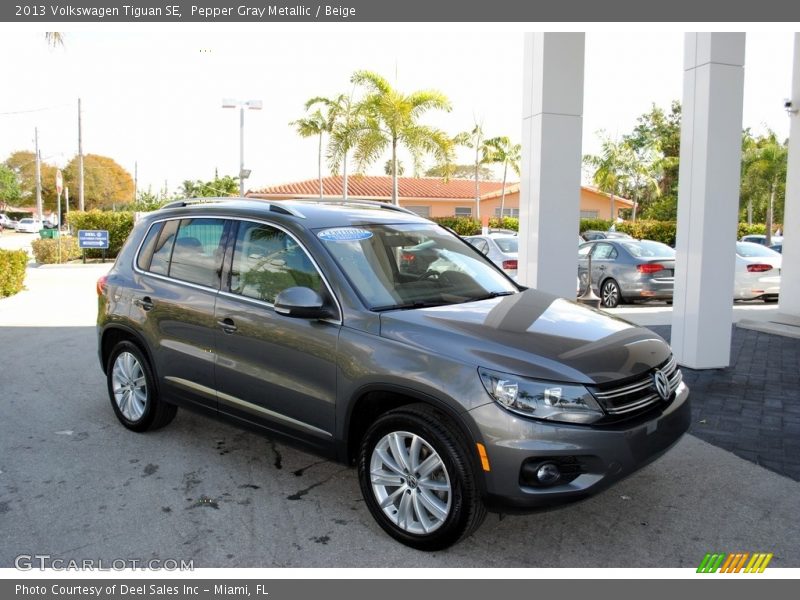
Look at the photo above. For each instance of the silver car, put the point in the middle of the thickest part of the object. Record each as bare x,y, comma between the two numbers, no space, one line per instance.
502,249
626,270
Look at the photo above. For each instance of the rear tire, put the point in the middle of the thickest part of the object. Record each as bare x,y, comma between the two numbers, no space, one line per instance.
132,390
417,479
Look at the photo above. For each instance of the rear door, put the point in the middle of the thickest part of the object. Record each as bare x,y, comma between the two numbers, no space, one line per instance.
276,371
178,275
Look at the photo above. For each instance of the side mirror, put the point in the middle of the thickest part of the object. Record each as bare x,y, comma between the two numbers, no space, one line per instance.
301,303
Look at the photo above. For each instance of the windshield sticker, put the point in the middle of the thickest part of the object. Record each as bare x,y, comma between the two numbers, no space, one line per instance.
344,234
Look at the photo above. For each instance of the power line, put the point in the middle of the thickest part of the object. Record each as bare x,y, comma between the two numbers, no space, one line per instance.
33,110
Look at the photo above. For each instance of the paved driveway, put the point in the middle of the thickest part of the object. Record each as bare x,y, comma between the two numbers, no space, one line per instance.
75,484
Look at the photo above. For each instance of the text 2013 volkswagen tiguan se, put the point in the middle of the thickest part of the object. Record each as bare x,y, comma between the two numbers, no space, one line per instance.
378,338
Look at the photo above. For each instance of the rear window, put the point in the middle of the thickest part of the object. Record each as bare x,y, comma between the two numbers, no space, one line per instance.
646,249
748,249
507,244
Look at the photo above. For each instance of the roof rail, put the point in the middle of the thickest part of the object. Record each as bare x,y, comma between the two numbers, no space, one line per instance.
273,207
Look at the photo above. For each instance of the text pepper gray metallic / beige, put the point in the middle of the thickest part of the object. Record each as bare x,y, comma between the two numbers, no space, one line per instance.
377,338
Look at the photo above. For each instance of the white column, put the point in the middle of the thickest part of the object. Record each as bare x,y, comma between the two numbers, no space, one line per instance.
708,198
790,268
551,161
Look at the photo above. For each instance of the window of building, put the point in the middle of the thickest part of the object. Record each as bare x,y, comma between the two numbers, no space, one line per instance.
463,211
507,212
422,211
590,214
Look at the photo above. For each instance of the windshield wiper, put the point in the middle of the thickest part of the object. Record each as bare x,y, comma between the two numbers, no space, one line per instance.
412,305
490,295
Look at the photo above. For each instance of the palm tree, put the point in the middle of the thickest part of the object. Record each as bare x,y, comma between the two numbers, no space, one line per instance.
474,140
314,124
54,38
767,162
347,127
391,118
500,150
612,168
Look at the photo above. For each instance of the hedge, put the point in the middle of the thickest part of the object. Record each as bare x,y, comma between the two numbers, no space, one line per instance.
118,225
12,271
461,225
46,251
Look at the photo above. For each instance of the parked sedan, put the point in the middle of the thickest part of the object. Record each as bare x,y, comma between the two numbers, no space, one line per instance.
627,269
501,249
758,273
29,225
760,238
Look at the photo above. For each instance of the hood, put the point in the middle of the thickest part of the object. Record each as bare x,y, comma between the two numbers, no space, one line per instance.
533,334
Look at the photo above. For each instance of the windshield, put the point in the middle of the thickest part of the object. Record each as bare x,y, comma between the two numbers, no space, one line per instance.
507,244
748,249
647,249
412,265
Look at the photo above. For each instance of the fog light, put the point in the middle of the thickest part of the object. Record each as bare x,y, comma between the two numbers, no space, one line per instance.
548,474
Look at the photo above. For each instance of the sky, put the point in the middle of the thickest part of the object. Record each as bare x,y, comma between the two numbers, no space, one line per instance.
153,98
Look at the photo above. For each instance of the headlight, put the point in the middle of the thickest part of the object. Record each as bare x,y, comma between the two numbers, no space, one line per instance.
551,401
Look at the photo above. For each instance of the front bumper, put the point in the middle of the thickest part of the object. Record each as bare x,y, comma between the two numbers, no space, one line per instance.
605,453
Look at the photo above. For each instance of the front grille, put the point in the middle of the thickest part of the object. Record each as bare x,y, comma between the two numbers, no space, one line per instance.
639,394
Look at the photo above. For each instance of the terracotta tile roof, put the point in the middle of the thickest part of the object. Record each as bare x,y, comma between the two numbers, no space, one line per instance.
380,187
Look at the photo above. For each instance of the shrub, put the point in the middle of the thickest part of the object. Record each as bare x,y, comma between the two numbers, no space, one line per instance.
12,271
596,224
461,225
659,231
46,251
511,223
118,225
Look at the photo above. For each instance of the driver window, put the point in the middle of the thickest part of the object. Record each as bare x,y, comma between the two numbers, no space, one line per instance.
267,260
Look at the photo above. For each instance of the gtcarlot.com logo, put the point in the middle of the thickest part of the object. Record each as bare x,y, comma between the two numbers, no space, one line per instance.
740,562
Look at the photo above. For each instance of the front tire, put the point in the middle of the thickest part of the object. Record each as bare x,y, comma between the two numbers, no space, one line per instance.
132,390
610,294
417,479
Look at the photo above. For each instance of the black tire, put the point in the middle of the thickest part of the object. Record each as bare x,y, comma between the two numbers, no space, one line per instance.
465,510
610,294
770,300
150,411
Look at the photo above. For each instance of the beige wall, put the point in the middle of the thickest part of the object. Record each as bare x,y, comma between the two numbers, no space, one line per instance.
590,201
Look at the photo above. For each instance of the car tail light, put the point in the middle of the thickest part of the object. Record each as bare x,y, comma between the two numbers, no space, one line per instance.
510,265
649,268
408,257
102,285
759,268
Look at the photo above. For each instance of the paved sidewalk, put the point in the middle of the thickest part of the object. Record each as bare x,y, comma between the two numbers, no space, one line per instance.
752,408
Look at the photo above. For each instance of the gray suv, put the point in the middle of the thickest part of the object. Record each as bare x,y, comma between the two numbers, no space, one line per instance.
376,338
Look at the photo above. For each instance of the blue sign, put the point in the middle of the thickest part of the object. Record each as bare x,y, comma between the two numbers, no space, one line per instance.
92,238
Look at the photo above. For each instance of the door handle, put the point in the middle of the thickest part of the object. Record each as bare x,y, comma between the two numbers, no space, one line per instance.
227,325
602,267
145,303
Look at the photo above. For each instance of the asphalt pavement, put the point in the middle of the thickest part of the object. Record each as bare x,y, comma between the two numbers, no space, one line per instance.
75,484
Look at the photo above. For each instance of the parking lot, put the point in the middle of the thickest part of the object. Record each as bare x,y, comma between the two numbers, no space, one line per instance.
75,484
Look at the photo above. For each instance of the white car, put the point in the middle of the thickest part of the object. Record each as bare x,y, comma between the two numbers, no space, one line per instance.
29,225
501,248
758,273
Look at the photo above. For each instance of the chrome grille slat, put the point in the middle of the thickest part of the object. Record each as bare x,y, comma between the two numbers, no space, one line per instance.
640,392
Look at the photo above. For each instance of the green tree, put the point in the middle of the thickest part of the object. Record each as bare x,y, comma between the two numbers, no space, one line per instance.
218,187
10,190
23,164
474,140
612,169
106,184
388,168
392,119
765,169
316,124
658,133
54,38
500,150
348,126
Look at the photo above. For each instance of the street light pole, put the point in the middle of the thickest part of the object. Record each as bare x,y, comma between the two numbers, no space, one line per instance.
241,105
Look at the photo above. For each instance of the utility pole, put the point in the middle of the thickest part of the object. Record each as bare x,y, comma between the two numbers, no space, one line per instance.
38,173
80,159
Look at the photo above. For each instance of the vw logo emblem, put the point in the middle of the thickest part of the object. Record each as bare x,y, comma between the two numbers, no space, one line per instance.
661,384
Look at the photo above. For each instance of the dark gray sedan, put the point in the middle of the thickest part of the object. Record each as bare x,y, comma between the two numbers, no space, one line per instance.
625,270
